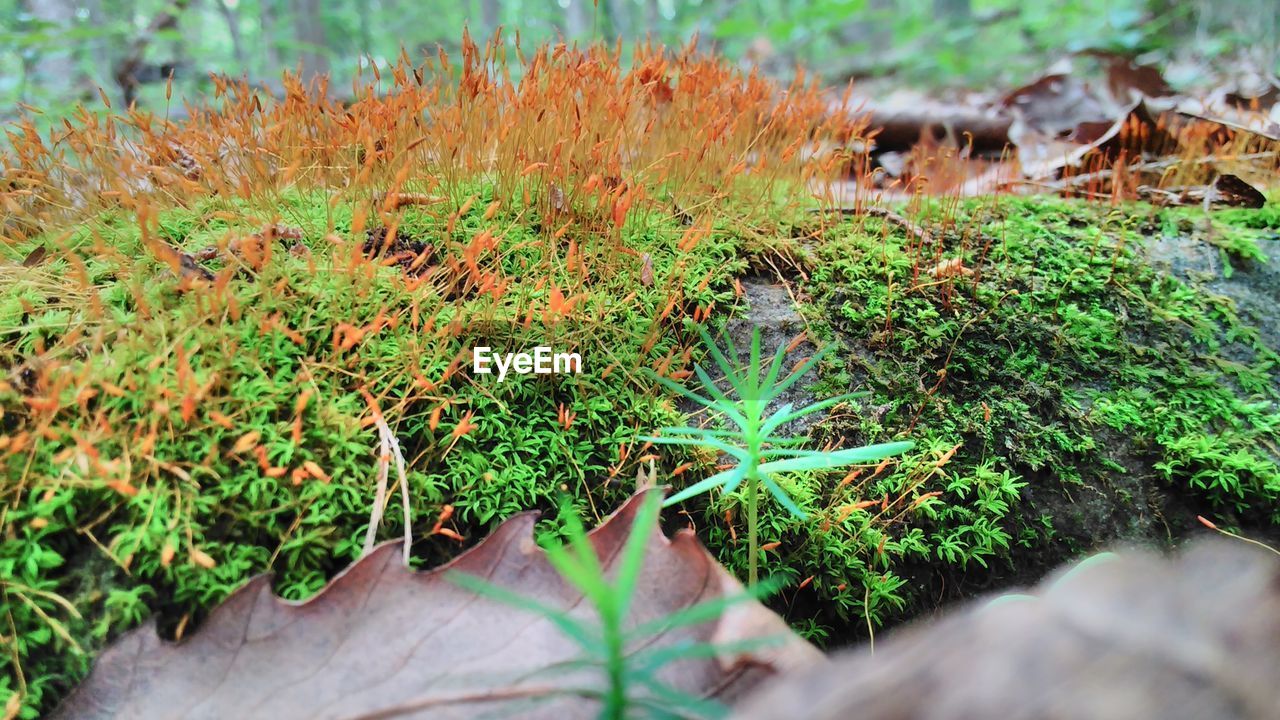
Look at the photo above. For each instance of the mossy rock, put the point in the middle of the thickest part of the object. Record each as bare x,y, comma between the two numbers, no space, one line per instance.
1068,388
1091,393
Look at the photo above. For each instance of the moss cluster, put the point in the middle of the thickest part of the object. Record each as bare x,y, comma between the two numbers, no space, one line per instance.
165,440
1061,390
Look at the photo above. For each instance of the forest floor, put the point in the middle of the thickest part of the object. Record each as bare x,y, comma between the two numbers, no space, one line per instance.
203,361
1074,375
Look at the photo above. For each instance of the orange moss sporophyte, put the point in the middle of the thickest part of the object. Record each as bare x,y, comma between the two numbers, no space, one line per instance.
574,107
212,324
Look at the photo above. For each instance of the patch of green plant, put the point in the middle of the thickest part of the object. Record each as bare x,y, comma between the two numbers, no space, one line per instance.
1265,218
1056,328
181,438
161,439
1062,393
1238,237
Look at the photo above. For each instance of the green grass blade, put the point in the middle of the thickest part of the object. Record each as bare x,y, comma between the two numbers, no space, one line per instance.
587,581
837,458
661,709
782,497
773,422
727,410
670,440
721,361
581,545
579,632
753,364
785,452
669,701
732,450
801,371
681,390
653,659
775,367
703,432
704,611
778,419
727,477
727,406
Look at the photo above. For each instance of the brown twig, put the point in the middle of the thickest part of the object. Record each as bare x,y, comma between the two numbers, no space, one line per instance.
1232,125
887,215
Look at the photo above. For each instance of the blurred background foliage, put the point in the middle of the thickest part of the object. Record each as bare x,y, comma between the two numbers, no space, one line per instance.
55,53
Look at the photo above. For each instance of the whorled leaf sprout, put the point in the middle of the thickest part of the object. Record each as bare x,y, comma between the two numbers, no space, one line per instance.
629,658
752,439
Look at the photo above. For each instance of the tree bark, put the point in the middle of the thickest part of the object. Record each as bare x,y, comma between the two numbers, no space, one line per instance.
577,21
310,34
54,66
101,48
232,17
620,15
129,68
653,20
366,29
491,16
267,38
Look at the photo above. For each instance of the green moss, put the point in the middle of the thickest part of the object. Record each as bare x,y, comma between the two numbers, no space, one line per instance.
1064,394
1088,397
161,384
1266,217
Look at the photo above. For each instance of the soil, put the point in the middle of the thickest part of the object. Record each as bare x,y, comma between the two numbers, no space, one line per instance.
771,309
400,250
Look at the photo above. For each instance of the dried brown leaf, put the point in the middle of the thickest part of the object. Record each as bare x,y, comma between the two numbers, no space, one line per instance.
1132,636
36,256
1136,133
1055,105
1129,80
1230,190
383,640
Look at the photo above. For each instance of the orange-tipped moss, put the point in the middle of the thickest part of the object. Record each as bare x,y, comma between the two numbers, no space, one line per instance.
203,321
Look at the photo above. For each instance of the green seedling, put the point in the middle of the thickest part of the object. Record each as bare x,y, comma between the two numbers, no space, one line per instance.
761,453
628,658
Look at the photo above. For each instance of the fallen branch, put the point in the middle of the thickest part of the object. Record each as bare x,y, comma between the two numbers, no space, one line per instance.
979,131
1156,165
1268,134
898,124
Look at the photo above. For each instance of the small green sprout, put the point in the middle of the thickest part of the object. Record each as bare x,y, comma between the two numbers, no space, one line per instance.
628,657
760,452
